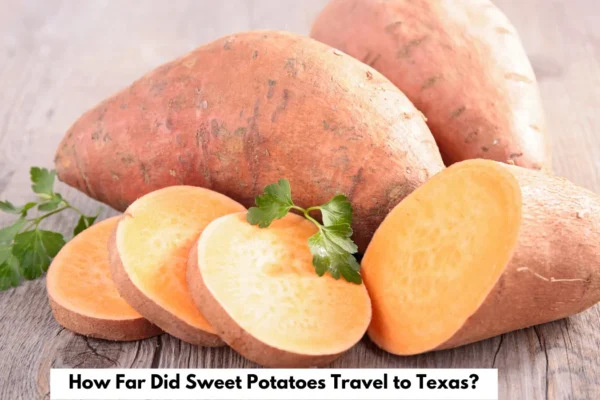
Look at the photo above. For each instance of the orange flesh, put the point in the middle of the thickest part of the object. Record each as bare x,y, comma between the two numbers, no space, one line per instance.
154,239
265,281
438,254
79,278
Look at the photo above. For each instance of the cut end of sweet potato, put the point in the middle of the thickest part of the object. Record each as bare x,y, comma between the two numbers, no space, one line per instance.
259,289
149,252
83,296
439,253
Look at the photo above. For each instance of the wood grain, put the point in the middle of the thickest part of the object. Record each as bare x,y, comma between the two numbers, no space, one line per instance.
58,58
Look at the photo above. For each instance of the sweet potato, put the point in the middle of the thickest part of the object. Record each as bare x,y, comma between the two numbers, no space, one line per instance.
460,62
246,110
148,254
259,290
82,294
480,250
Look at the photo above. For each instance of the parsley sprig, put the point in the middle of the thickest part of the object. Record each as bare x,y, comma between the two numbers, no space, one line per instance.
332,247
25,249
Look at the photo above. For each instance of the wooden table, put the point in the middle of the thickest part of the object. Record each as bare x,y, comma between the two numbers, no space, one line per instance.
58,58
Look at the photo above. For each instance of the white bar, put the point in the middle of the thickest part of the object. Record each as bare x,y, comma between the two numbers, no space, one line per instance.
251,384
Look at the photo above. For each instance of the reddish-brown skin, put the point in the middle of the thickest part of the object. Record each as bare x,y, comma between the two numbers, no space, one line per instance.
460,62
235,336
555,269
118,330
247,110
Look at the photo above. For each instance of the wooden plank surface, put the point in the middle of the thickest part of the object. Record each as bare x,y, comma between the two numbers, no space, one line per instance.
58,58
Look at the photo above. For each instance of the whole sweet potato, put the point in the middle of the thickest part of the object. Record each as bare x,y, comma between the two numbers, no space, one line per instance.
244,111
460,62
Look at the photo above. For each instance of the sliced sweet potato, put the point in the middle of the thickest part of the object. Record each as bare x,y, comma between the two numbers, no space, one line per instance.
82,294
480,250
149,251
259,290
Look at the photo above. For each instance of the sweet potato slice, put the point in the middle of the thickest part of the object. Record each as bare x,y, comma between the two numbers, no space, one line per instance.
149,251
259,290
438,255
82,294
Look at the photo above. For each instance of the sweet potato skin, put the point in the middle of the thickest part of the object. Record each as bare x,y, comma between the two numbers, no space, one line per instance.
244,111
236,336
146,306
555,269
117,330
461,63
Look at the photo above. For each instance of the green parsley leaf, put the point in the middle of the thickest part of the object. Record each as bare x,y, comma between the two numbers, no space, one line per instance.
34,251
51,204
28,252
8,207
337,211
275,203
83,223
332,247
7,234
328,255
27,207
9,272
42,182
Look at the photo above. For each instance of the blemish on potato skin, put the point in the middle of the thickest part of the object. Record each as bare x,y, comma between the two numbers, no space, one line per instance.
217,129
391,28
180,140
291,67
406,51
124,106
176,103
458,112
515,155
535,128
356,180
228,43
271,84
582,214
239,131
282,106
145,173
485,149
513,76
169,124
471,137
503,30
369,75
367,59
430,82
158,87
107,138
95,135
255,54
126,158
101,115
